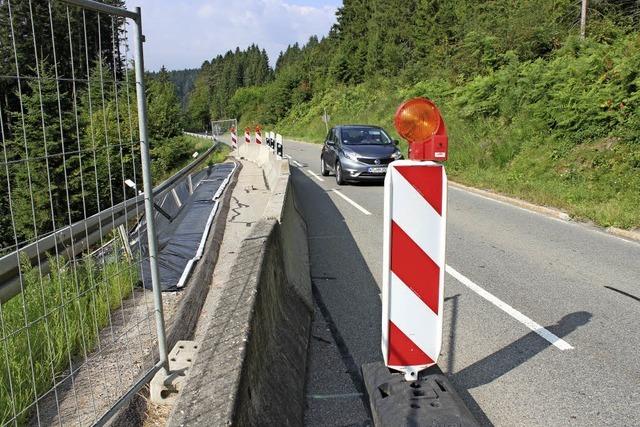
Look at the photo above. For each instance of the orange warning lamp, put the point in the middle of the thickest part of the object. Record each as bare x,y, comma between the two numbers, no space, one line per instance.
419,121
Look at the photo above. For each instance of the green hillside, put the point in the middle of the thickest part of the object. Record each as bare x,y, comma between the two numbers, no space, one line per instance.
532,110
184,81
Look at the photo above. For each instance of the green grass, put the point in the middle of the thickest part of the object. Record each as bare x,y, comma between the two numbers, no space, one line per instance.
219,155
187,145
57,317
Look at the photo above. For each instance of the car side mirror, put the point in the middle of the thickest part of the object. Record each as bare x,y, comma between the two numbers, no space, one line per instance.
396,142
331,143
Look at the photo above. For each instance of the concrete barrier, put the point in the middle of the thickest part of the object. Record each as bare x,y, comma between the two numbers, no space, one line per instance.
263,156
282,207
251,365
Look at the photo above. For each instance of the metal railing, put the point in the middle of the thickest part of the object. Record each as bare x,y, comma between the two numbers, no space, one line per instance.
77,332
84,234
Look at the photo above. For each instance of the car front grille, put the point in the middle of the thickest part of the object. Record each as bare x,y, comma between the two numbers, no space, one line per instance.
373,161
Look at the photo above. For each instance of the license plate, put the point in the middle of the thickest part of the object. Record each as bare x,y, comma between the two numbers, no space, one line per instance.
378,170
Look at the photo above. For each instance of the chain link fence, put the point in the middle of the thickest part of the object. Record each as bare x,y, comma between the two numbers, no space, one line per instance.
80,332
220,127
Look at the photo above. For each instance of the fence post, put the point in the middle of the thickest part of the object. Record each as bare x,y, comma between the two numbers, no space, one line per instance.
148,191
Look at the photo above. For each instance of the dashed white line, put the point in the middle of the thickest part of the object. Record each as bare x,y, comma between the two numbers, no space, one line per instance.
300,165
335,396
535,327
316,176
354,204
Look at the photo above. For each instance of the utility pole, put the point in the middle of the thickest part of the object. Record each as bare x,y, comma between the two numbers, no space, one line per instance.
325,119
583,20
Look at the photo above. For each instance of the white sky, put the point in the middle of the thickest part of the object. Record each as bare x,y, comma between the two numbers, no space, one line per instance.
184,33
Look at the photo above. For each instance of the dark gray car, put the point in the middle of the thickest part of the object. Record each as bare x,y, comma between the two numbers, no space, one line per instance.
358,153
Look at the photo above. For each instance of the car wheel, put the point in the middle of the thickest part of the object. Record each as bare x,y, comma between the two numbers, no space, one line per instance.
323,168
339,178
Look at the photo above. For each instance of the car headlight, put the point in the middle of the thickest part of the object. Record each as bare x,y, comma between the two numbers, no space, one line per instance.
350,155
396,155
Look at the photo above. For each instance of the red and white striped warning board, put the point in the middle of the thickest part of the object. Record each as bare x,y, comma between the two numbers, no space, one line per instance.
258,136
247,136
234,138
415,211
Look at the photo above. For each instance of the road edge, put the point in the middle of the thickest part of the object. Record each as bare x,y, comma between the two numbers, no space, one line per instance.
547,211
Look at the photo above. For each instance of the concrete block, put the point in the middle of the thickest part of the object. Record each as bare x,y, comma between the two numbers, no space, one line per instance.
164,390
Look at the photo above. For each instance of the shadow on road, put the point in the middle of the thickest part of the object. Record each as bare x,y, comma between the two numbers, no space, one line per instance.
347,298
518,352
379,183
510,357
504,360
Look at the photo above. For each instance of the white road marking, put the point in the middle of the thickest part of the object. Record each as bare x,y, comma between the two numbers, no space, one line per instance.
354,204
300,165
334,396
315,176
287,156
535,327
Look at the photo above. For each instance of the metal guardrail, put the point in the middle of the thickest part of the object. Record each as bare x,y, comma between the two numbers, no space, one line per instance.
83,234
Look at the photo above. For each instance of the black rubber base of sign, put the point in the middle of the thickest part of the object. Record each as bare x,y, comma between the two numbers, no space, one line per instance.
429,401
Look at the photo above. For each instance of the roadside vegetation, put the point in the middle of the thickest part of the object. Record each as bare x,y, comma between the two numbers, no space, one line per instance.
65,149
58,317
532,110
55,320
192,145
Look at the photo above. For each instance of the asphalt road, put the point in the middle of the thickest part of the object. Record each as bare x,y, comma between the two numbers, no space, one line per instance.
522,270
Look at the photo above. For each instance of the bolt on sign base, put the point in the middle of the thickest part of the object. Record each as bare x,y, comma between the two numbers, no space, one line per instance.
430,400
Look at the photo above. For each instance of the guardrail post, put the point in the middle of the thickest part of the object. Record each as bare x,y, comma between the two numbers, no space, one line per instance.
148,191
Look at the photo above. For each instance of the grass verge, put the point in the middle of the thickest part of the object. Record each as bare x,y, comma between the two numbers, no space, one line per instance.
189,145
55,322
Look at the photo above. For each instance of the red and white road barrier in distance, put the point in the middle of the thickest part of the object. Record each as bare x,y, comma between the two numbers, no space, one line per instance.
415,211
413,265
234,138
247,136
258,136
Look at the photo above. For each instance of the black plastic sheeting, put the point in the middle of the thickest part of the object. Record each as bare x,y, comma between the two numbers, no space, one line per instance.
180,237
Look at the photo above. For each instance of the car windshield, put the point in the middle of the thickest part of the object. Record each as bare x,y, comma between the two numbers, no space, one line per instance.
364,136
